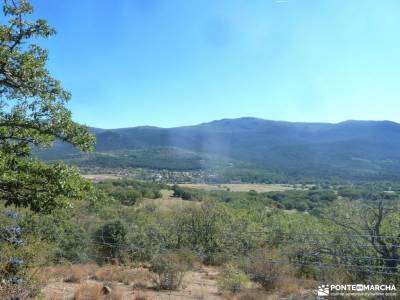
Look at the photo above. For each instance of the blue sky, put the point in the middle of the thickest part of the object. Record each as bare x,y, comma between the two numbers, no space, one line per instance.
179,62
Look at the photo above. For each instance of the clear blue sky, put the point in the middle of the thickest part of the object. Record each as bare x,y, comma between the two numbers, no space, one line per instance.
179,62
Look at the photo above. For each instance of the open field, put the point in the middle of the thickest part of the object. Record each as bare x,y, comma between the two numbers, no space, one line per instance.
100,177
240,187
168,202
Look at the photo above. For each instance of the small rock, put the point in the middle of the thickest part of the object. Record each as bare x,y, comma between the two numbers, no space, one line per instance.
106,290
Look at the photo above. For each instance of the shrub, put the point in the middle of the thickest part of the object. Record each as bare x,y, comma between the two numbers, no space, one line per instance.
185,194
266,268
73,243
169,268
127,196
130,192
187,257
21,252
14,291
233,279
203,228
111,239
145,241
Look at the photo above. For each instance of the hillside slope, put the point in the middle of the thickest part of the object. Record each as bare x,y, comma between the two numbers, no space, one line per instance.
357,149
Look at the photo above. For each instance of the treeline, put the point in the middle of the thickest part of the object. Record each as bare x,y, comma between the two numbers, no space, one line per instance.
158,158
128,191
301,200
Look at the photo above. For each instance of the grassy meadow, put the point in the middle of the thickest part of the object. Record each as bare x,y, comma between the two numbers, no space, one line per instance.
240,187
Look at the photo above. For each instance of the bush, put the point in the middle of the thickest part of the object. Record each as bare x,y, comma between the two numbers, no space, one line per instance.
126,196
129,192
233,279
14,291
111,239
266,267
187,257
21,252
182,193
145,241
170,268
203,228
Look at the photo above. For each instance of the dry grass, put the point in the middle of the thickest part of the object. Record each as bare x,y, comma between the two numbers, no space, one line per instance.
78,273
287,289
116,295
142,288
261,267
288,285
54,297
89,291
170,205
68,273
111,273
199,283
52,273
140,296
211,276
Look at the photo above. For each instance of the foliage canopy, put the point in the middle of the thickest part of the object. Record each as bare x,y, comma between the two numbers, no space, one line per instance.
33,114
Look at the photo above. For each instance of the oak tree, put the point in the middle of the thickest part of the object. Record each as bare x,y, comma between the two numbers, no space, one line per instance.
33,114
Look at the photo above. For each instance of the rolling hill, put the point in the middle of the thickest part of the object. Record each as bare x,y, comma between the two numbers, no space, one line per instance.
350,149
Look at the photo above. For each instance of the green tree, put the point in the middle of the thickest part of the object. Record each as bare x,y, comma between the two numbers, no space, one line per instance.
204,228
33,114
111,240
370,236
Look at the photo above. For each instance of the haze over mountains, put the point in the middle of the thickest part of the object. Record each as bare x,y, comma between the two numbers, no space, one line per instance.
350,149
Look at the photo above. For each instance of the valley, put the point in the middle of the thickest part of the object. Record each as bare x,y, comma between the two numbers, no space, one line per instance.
248,150
180,166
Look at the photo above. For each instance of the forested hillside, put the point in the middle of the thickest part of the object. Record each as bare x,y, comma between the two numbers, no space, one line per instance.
355,150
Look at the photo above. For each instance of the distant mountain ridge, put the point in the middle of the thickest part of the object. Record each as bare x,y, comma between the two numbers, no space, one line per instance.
369,149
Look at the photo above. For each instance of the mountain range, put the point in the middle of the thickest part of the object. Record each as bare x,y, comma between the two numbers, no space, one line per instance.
350,149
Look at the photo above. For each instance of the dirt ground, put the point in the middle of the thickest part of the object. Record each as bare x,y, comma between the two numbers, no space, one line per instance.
137,284
199,284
